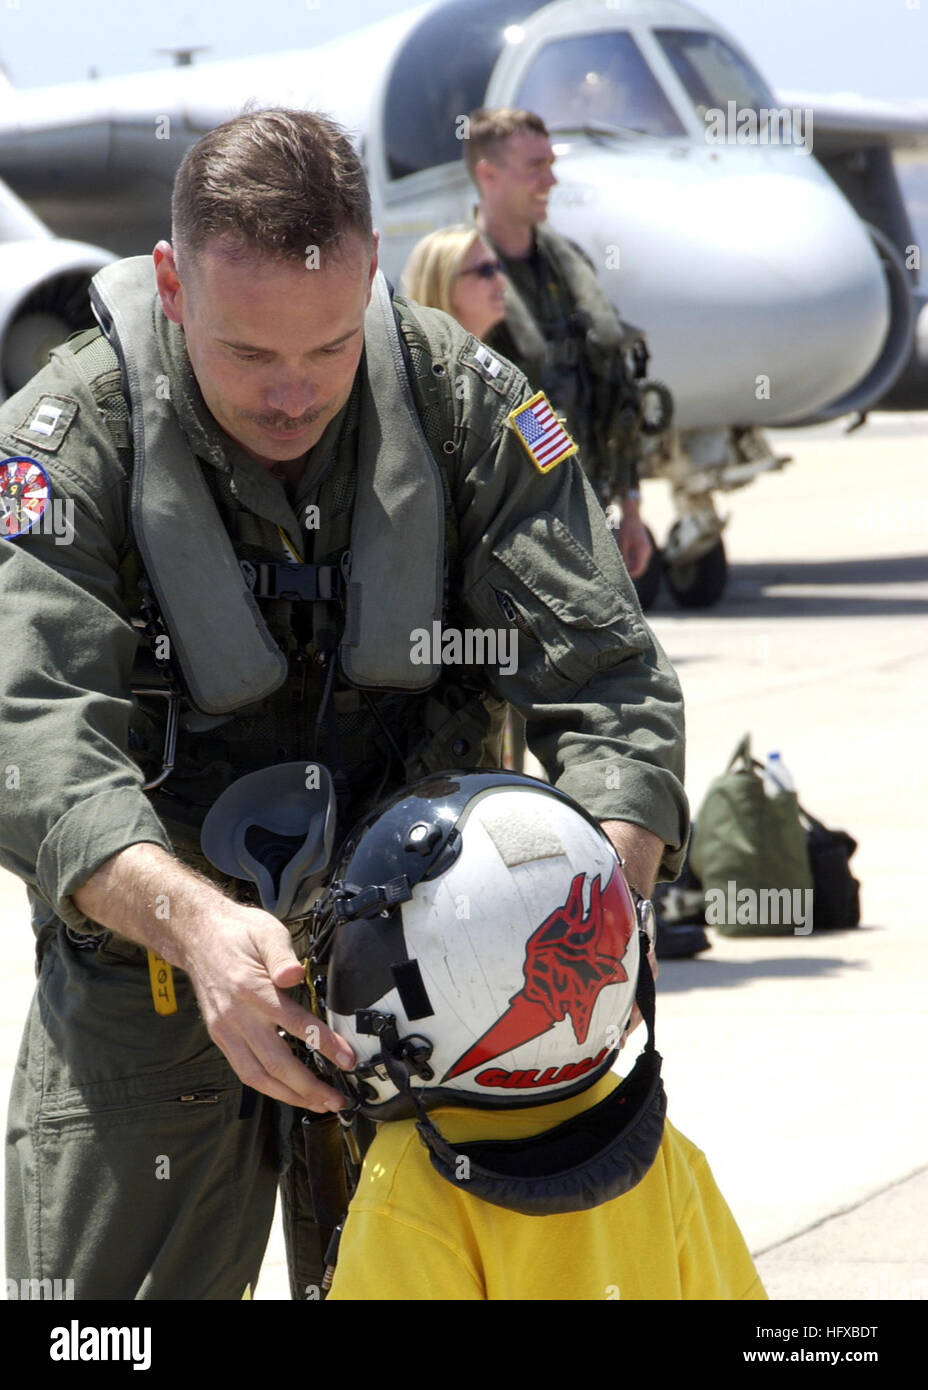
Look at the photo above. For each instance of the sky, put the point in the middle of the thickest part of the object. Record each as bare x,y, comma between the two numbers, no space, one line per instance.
875,48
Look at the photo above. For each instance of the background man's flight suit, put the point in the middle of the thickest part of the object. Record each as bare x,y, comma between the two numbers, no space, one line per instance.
133,1165
587,381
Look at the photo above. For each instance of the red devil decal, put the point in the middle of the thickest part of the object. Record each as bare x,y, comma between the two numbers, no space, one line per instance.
569,959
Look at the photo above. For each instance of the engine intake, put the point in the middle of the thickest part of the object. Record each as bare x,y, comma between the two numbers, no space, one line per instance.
43,299
896,349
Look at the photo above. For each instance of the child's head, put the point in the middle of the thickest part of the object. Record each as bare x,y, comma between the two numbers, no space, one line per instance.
482,948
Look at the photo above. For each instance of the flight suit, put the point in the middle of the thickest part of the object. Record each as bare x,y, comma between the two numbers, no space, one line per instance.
554,292
137,1165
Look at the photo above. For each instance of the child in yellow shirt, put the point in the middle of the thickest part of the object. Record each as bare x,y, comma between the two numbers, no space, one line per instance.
486,959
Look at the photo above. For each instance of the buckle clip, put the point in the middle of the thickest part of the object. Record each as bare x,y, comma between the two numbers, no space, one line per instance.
298,583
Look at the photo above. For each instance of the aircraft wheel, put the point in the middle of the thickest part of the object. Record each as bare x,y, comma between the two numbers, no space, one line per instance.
701,583
656,407
647,584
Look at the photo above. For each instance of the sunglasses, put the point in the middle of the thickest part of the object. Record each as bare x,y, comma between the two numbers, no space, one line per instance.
486,270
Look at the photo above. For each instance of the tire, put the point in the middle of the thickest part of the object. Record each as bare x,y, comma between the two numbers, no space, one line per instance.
647,584
656,407
702,583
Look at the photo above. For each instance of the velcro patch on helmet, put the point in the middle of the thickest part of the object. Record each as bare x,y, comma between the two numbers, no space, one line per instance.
543,436
520,838
47,422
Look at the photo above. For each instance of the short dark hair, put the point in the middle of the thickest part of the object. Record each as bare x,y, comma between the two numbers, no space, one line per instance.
275,181
490,126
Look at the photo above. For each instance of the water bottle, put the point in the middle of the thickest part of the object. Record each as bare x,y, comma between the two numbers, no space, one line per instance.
777,777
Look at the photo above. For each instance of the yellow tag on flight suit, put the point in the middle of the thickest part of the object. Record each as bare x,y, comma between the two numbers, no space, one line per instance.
162,985
546,441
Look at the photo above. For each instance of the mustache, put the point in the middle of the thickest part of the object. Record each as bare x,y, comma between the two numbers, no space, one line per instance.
285,424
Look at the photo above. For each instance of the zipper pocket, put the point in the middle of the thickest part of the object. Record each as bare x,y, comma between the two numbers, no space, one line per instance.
511,613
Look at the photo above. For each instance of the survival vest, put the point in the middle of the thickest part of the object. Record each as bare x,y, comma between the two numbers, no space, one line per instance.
579,361
597,324
225,652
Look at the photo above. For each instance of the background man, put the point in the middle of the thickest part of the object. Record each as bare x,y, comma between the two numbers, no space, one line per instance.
268,416
560,327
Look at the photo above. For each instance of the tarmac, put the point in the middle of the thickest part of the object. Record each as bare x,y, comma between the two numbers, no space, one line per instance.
796,1063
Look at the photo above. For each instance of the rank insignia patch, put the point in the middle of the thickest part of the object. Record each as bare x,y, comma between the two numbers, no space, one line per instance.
47,422
491,365
545,438
25,492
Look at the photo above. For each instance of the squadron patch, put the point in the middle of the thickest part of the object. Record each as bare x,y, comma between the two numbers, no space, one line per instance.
25,492
546,441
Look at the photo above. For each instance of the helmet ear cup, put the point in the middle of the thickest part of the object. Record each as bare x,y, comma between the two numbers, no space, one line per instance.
270,829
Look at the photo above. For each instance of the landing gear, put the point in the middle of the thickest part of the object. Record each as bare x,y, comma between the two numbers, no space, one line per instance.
647,584
697,583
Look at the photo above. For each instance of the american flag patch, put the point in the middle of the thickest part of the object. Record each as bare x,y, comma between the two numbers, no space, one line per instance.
545,438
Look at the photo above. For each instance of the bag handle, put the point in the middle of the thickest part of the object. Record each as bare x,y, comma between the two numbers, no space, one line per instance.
742,754
743,751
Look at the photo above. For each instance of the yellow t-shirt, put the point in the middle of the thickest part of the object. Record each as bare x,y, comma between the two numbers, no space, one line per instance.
410,1234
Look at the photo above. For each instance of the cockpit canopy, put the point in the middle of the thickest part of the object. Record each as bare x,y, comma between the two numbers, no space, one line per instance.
713,72
440,74
599,78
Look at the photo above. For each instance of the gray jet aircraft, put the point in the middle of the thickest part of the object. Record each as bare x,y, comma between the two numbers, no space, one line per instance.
762,244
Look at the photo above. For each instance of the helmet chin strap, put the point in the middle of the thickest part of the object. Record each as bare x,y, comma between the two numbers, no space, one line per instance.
599,1154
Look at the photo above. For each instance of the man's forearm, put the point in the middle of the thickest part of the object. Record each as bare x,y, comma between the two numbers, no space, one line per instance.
151,898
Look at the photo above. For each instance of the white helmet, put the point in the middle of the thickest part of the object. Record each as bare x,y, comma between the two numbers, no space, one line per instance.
481,947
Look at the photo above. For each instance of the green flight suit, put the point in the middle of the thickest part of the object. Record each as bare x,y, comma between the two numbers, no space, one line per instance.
136,1166
586,381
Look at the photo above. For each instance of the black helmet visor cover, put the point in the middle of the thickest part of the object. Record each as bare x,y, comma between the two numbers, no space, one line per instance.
597,1155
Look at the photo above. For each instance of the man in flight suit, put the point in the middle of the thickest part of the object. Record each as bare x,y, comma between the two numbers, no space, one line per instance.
260,406
560,327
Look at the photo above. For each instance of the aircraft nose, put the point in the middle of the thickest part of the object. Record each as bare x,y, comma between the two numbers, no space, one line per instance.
758,287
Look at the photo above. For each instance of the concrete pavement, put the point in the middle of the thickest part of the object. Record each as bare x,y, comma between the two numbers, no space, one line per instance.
796,1063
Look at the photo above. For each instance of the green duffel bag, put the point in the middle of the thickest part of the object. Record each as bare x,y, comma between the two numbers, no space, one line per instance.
749,852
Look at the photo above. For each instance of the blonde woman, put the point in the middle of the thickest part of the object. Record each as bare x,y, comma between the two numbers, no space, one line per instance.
453,269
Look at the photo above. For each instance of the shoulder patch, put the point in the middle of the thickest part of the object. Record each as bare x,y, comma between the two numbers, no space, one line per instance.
47,422
25,493
544,438
496,371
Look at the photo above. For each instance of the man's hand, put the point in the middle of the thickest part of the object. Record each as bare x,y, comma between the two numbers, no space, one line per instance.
641,853
239,959
633,540
241,967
